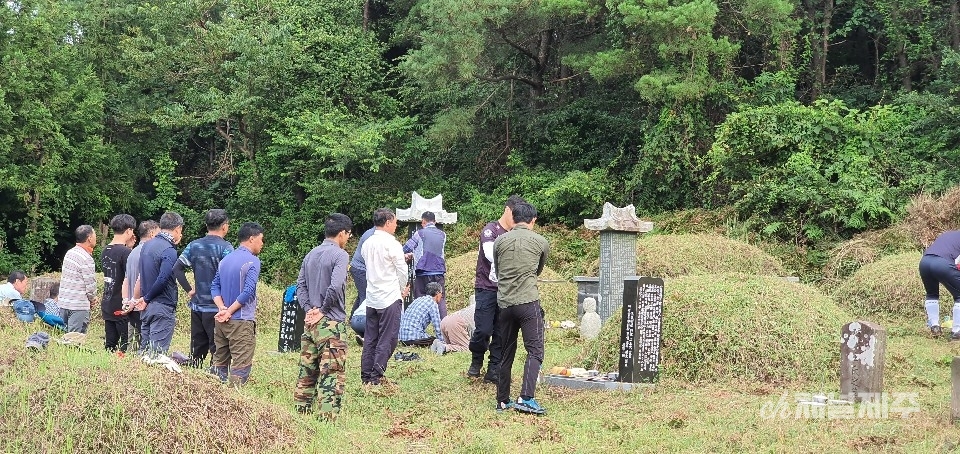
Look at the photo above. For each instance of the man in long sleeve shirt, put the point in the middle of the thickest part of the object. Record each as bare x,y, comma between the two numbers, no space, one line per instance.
519,257
234,291
426,248
320,292
358,271
78,284
485,336
423,311
131,290
158,285
386,286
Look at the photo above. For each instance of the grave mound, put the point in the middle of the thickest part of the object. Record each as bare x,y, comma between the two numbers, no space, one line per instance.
558,295
681,255
737,327
86,400
888,287
865,248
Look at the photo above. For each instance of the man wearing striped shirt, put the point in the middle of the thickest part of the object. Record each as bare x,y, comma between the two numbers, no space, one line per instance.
78,285
423,311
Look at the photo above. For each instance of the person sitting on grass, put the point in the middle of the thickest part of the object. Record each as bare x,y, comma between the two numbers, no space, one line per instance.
456,328
423,311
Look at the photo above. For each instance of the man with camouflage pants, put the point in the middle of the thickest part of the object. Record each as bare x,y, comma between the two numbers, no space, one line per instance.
320,292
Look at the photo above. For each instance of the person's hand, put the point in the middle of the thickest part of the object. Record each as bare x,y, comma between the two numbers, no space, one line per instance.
405,291
313,317
141,305
222,316
192,292
408,256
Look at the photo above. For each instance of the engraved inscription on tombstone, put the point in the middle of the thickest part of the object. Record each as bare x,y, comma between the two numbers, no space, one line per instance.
291,327
862,349
628,343
618,259
641,329
40,287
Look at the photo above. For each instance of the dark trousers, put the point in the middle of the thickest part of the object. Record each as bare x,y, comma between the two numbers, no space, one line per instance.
485,318
201,336
379,341
134,337
426,342
360,281
936,270
420,289
528,319
115,335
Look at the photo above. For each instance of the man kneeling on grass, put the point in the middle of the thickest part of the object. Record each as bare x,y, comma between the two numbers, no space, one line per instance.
235,334
423,311
519,257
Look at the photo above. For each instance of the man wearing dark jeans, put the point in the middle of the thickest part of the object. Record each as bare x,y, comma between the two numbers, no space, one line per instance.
358,271
519,257
386,287
203,255
485,285
939,265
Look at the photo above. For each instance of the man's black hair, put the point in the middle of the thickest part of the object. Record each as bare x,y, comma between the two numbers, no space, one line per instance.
249,230
428,216
170,220
122,222
336,223
16,276
215,218
83,233
524,212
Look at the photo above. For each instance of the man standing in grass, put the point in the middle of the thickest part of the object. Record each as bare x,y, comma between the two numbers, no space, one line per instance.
113,260
426,249
234,291
203,255
323,350
386,288
159,285
485,286
519,256
78,284
131,288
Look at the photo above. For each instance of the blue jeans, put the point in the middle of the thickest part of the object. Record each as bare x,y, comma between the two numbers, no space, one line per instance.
358,323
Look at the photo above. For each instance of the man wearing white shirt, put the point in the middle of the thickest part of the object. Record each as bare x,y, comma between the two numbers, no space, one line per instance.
386,288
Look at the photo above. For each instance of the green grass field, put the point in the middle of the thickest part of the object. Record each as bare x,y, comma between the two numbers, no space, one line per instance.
66,399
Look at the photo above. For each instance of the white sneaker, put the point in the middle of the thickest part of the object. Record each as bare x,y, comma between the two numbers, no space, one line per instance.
437,347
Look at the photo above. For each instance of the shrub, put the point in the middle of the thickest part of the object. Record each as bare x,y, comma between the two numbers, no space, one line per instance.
737,326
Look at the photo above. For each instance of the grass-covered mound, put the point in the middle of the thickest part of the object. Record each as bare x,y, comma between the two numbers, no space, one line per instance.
65,399
849,256
737,326
889,287
557,295
681,255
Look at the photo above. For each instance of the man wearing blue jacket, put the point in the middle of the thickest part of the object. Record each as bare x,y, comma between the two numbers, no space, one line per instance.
234,291
157,281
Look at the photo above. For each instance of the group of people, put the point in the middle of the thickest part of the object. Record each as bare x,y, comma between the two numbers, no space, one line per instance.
140,289
141,286
506,303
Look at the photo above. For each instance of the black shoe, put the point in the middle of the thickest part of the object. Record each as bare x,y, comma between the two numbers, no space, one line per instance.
359,340
935,331
491,378
954,337
474,370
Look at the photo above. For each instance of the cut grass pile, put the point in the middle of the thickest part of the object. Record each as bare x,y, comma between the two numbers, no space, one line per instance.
738,327
681,255
888,288
848,257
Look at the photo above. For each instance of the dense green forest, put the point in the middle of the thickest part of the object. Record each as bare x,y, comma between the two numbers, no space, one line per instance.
811,120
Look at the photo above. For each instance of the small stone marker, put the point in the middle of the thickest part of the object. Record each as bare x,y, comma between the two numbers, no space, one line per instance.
955,398
40,287
618,228
587,287
862,349
641,329
291,326
590,322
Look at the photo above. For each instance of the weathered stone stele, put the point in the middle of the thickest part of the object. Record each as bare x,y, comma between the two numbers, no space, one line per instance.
862,349
419,204
618,228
